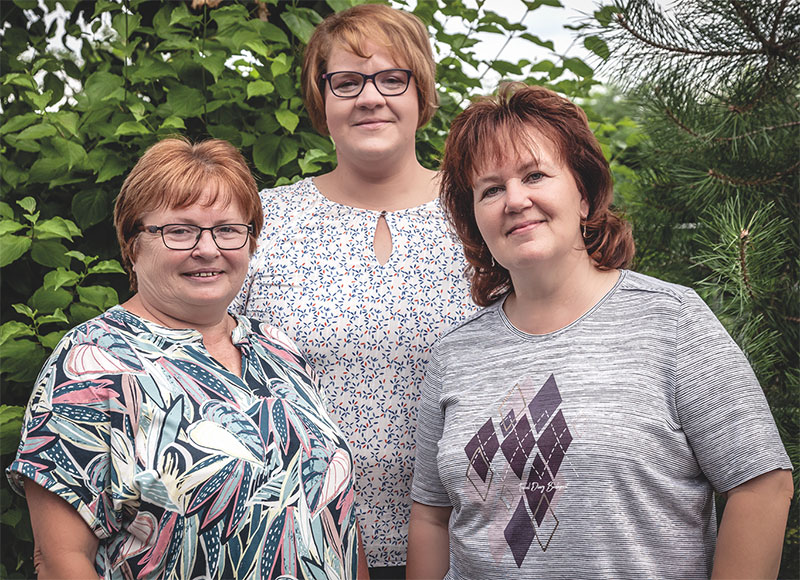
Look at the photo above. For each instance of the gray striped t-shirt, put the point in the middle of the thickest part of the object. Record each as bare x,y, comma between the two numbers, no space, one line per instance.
592,451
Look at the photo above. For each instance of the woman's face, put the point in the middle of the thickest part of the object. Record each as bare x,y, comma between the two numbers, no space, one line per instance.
370,128
190,285
528,209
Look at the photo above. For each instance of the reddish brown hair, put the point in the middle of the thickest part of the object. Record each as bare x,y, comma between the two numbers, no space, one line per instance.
175,173
493,129
402,34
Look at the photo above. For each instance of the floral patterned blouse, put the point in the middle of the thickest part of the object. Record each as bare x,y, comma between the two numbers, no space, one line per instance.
366,328
183,469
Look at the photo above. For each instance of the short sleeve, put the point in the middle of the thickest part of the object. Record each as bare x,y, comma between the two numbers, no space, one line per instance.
427,487
721,405
66,436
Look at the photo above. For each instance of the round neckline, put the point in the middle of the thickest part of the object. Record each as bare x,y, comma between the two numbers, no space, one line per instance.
528,336
428,205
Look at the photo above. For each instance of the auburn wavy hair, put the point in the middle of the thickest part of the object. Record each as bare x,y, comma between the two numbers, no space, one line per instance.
494,129
174,173
401,33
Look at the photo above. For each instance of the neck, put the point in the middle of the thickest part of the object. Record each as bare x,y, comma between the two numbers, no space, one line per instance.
551,298
212,325
403,186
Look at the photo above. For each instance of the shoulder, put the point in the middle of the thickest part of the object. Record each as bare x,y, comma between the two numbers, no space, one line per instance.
289,195
634,282
476,323
266,335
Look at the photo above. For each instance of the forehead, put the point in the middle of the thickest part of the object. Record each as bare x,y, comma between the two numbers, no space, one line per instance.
344,54
516,147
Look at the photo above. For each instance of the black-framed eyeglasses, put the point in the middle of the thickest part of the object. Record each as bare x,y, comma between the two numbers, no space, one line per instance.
347,84
186,236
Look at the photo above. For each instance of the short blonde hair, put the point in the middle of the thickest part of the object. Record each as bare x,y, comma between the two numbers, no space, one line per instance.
402,34
175,173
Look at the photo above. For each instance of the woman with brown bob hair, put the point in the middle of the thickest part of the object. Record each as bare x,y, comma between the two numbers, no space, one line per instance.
167,438
358,264
578,426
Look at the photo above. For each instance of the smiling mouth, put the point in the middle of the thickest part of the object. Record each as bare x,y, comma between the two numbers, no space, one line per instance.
202,274
524,226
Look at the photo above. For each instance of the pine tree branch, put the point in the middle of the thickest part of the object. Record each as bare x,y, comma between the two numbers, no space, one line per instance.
736,181
755,132
682,49
748,22
778,16
744,238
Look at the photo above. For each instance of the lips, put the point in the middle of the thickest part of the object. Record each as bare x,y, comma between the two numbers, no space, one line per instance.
371,122
524,226
203,274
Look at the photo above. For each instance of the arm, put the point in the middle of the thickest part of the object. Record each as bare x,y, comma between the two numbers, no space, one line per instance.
428,542
363,568
753,523
65,547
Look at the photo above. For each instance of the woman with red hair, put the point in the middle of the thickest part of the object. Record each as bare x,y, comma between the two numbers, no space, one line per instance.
578,426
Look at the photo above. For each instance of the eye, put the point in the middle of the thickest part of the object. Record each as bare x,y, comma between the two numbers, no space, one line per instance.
179,230
227,229
491,192
534,177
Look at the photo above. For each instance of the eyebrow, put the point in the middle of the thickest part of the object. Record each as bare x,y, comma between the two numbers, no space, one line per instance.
494,177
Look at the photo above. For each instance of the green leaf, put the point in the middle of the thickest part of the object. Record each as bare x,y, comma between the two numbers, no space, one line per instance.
73,152
56,227
181,15
212,62
12,248
20,80
82,312
6,211
14,329
55,279
45,169
107,267
271,33
259,88
49,253
299,26
10,428
51,339
46,301
21,360
185,101
265,154
126,23
38,131
100,297
280,65
287,119
38,100
24,309
90,207
578,67
172,122
18,122
598,46
113,165
9,226
27,203
131,128
538,41
67,120
100,86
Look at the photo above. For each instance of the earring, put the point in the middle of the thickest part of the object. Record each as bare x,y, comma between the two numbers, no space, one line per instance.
584,230
494,264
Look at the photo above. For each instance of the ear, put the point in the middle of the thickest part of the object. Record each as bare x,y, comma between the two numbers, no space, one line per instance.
584,205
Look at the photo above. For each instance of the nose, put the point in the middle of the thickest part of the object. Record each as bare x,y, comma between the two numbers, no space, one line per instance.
370,96
206,245
517,197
